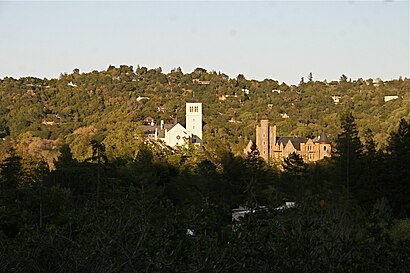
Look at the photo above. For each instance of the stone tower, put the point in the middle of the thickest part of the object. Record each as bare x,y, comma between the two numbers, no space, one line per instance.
194,121
266,139
325,147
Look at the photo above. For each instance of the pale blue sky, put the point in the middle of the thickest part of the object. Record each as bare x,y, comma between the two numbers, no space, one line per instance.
277,39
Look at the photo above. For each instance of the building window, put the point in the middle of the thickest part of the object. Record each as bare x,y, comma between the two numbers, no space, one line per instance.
196,109
193,127
324,148
191,109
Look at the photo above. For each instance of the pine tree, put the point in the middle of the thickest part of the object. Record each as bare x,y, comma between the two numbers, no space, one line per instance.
10,173
397,185
310,77
370,190
349,151
10,177
294,176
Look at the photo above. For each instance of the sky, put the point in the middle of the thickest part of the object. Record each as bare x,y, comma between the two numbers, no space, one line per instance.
281,40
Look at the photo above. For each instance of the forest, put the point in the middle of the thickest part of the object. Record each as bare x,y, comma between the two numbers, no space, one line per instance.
80,190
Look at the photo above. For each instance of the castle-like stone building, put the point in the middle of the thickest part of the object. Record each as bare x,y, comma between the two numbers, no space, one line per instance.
271,147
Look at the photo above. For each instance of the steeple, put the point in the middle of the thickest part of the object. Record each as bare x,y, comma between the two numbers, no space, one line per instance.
323,138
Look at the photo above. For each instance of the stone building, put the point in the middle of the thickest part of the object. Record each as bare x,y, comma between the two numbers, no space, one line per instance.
272,147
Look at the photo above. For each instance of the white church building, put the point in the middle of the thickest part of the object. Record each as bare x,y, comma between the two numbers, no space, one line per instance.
176,134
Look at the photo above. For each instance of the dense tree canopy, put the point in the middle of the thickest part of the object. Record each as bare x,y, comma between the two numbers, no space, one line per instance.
80,191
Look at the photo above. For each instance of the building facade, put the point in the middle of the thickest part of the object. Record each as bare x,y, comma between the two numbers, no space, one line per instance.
271,147
176,134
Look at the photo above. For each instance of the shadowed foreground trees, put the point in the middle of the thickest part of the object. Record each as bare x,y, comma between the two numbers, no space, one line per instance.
397,183
170,211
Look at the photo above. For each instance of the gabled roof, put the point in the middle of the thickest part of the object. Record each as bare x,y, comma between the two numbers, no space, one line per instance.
151,129
148,118
295,141
175,126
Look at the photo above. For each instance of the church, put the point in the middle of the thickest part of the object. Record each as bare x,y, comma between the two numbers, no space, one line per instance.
176,134
271,147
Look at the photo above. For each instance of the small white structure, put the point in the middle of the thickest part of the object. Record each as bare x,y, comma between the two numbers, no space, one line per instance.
336,99
284,115
72,84
276,91
45,122
288,205
232,120
142,98
241,211
222,98
246,91
389,98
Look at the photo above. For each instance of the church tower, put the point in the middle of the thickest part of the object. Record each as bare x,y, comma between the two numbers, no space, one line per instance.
194,121
266,139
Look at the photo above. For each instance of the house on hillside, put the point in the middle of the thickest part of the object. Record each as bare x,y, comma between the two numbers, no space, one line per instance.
389,98
149,121
162,108
198,81
336,99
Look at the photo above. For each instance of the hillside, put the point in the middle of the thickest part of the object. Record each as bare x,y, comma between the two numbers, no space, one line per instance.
111,105
70,204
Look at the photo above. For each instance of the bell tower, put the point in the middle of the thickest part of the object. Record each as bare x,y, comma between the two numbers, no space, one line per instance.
194,121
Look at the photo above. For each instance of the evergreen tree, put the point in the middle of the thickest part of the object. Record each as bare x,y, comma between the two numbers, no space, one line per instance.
370,190
397,185
310,77
11,173
255,178
99,155
349,150
294,176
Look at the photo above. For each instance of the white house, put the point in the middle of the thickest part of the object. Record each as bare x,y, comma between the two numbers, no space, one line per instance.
71,84
336,99
389,98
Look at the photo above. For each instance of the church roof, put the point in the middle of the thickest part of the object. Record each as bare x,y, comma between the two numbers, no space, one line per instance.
323,138
161,132
296,141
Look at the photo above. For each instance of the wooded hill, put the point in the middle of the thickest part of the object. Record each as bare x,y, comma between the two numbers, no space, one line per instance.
111,105
80,192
